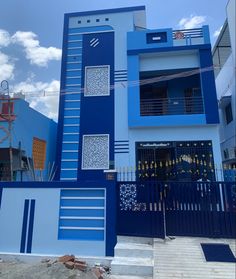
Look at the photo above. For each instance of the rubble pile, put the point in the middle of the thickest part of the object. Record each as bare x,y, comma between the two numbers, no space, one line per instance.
71,262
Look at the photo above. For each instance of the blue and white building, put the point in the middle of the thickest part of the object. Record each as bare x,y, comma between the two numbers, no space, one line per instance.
137,98
130,98
224,58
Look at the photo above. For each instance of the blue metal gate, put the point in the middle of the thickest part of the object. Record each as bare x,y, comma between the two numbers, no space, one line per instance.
155,209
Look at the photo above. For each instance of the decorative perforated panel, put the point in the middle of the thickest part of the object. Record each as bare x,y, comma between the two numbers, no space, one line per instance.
95,152
97,81
39,153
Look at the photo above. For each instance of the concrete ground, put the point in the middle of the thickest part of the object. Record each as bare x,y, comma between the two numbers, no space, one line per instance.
182,257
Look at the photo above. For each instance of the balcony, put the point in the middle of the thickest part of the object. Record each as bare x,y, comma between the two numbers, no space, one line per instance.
171,106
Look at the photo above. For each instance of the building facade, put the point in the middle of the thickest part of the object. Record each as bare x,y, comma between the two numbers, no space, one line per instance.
136,98
27,149
224,60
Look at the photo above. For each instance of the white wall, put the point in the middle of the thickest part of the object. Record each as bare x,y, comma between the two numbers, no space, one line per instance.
166,61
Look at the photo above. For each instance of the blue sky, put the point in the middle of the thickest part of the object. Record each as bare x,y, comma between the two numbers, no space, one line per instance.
31,37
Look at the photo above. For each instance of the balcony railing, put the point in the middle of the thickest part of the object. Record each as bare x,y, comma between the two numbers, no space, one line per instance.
171,106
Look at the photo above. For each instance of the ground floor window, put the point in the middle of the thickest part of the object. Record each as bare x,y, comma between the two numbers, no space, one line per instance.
175,161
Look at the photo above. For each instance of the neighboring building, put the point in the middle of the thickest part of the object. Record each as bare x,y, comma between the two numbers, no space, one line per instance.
133,97
32,141
224,58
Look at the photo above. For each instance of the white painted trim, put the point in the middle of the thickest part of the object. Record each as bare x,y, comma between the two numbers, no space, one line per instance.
73,77
70,142
71,85
81,218
73,62
71,55
73,70
74,47
82,207
75,40
82,228
96,135
87,189
71,125
85,80
72,116
70,151
72,93
70,133
72,109
93,32
69,160
72,101
69,169
82,198
68,178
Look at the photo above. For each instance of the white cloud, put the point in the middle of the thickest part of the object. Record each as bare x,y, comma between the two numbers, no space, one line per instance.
6,67
217,32
191,22
5,38
37,54
48,104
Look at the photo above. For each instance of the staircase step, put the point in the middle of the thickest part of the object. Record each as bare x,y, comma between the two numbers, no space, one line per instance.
129,277
125,249
134,239
132,266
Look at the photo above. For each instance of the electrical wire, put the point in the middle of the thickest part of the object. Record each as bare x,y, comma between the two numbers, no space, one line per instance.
123,84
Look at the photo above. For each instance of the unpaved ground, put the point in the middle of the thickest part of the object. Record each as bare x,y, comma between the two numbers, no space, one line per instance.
56,270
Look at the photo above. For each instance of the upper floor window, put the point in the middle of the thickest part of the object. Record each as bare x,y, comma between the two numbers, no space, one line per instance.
159,37
228,113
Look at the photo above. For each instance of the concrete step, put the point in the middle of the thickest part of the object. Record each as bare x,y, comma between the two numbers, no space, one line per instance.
129,277
133,250
133,239
132,266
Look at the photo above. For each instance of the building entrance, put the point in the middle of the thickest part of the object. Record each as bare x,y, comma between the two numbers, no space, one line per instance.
175,161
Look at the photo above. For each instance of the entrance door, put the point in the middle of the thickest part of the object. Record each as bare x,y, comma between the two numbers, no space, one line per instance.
155,162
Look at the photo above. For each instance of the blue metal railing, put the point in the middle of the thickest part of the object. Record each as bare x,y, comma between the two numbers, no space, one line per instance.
171,106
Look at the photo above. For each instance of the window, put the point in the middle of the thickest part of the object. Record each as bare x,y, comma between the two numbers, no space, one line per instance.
88,21
97,81
39,153
97,20
107,19
226,153
79,21
95,152
228,113
159,37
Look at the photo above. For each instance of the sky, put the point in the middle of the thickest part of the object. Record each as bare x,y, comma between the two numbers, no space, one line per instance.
31,33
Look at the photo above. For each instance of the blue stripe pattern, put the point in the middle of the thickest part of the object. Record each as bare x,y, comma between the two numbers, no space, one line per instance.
24,226
71,128
31,226
27,227
82,214
121,146
121,75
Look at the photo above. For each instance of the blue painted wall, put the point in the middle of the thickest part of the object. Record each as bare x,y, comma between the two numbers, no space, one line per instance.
30,123
144,39
208,86
97,112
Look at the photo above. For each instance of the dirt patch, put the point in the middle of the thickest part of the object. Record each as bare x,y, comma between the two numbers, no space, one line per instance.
44,270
